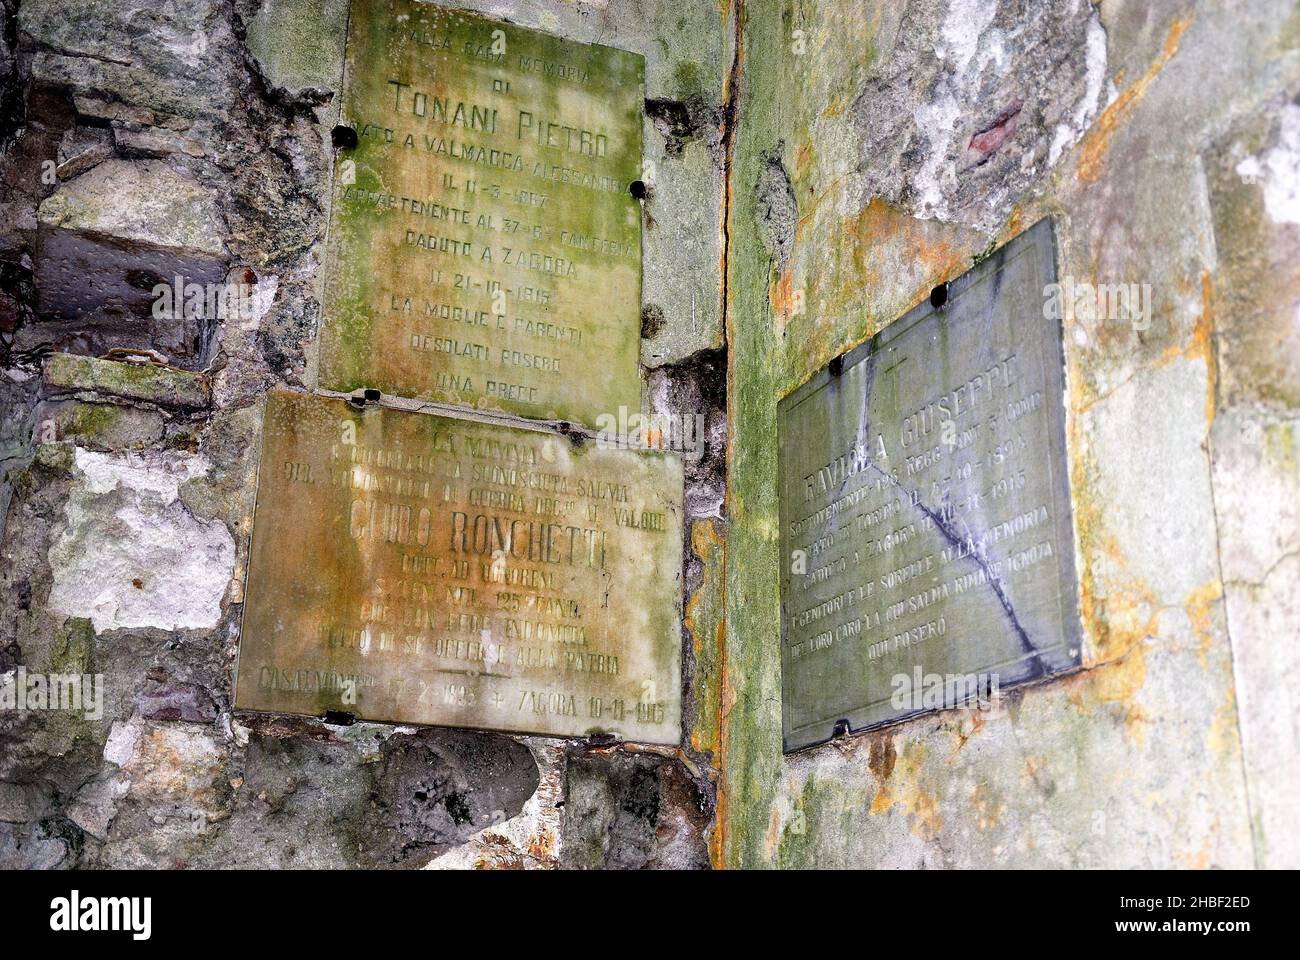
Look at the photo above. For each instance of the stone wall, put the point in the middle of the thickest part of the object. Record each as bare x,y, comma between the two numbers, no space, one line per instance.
144,140
883,147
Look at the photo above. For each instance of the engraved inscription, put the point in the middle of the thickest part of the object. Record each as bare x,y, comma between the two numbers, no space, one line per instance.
485,249
926,538
422,569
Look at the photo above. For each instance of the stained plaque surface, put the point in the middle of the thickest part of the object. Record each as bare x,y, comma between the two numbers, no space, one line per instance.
484,248
927,546
420,569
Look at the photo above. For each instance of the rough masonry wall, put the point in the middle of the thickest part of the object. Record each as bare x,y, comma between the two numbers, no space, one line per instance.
883,147
141,139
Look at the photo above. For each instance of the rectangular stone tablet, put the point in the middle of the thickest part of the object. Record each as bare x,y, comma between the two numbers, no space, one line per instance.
926,542
484,245
421,569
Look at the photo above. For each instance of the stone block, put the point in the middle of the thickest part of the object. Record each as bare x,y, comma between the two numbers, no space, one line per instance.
107,240
165,386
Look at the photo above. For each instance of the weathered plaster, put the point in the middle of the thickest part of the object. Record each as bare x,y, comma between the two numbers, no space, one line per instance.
1135,760
130,554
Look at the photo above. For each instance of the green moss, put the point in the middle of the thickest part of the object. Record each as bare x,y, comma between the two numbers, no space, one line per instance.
1288,37
55,457
150,382
74,647
299,43
753,738
687,77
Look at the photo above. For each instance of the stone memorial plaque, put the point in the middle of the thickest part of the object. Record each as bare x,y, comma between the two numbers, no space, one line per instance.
419,569
927,547
484,247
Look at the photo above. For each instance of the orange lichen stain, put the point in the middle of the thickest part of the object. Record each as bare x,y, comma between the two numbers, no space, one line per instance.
881,756
717,838
988,813
922,807
1089,530
499,854
1200,609
781,296
1033,768
542,845
1096,143
1221,740
708,545
970,725
811,205
835,107
1120,623
881,802
927,243
710,734
1115,682
877,259
803,157
905,790
1124,618
1197,861
722,803
729,695
1202,345
1014,226
773,835
881,760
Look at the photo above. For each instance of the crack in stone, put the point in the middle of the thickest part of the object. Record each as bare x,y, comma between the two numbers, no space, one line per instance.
863,439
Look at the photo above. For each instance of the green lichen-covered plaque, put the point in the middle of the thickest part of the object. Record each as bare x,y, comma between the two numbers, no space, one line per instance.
927,547
484,247
420,569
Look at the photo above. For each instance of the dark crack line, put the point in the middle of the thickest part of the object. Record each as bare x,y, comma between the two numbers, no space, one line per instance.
863,440
914,497
82,55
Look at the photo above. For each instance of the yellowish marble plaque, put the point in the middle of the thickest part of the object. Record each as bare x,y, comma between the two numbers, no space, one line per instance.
485,246
419,569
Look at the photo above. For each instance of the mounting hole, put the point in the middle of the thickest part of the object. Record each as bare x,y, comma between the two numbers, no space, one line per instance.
566,429
637,189
343,137
841,729
836,366
371,395
939,296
